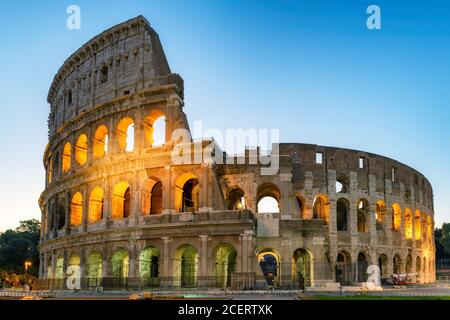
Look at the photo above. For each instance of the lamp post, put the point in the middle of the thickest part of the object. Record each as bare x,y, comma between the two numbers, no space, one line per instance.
27,264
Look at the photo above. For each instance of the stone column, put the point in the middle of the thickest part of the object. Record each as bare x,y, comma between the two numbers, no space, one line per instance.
285,207
85,216
286,266
203,261
204,187
168,190
332,234
373,225
166,278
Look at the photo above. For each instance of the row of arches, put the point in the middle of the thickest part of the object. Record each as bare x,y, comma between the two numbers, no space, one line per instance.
186,199
185,267
154,132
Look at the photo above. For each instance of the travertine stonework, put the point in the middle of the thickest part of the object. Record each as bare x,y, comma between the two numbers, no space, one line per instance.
133,218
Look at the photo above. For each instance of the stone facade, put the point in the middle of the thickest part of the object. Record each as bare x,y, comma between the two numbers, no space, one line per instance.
134,218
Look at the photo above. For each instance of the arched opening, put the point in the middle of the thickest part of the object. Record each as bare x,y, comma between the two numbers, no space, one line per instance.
409,264
418,225
380,212
149,267
396,217
61,213
96,205
383,264
408,224
225,264
362,267
186,267
418,268
397,262
66,157
94,269
56,164
151,196
269,262
344,268
59,268
120,265
362,214
342,212
187,188
81,149
268,198
101,142
49,169
121,200
125,135
155,128
301,206
321,208
302,269
236,200
76,209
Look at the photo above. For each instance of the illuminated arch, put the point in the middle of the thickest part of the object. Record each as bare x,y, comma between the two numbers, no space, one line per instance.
418,225
125,135
396,217
380,211
149,267
151,196
225,264
321,208
121,200
270,263
155,128
302,268
408,224
100,142
66,157
76,209
187,190
185,267
94,269
81,149
235,199
120,265
96,205
429,228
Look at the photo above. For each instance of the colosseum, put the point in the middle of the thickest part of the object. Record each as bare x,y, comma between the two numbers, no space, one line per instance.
119,208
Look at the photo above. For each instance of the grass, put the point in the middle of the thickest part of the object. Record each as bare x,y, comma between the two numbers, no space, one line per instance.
365,297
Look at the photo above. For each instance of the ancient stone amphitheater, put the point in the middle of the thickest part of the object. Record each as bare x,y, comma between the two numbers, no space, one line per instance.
117,206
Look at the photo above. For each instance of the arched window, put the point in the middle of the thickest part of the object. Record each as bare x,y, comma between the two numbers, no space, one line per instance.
321,208
56,164
342,211
362,214
76,209
225,264
236,200
121,200
408,224
396,217
185,267
96,205
362,267
156,199
380,211
81,148
187,189
397,261
302,261
155,128
120,265
94,269
149,267
125,135
268,198
66,157
100,142
418,225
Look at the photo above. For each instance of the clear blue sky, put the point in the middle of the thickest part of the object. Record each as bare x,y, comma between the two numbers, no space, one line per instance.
310,68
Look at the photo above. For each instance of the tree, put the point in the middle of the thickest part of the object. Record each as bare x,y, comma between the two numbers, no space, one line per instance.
20,245
444,238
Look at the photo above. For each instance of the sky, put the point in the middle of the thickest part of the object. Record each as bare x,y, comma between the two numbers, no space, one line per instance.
310,68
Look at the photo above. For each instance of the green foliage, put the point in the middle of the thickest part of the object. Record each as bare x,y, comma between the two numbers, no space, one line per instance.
18,246
444,239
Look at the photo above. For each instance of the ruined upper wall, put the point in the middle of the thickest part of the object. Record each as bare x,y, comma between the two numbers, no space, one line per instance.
120,61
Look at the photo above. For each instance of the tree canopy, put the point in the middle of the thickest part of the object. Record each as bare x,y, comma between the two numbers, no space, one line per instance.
20,245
